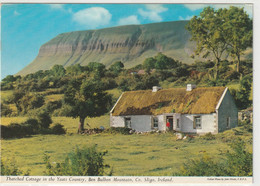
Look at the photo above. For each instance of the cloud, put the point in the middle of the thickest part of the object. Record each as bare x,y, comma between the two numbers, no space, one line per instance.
93,17
16,13
152,12
57,6
129,20
156,7
185,18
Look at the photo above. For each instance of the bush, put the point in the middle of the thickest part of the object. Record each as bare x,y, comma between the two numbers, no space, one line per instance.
58,129
121,130
63,111
33,125
208,136
227,136
44,119
237,162
247,125
5,110
81,162
53,105
204,166
9,168
16,130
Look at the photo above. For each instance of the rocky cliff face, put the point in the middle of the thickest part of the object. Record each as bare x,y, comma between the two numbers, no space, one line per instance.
130,44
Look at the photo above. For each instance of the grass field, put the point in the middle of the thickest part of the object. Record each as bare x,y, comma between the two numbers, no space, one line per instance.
137,154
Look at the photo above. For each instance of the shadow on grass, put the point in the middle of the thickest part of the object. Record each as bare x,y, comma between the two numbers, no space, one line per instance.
136,152
159,169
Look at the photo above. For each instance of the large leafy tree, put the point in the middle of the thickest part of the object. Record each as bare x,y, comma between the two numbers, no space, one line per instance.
207,31
117,67
87,99
238,29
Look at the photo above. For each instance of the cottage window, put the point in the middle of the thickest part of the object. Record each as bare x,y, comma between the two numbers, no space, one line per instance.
155,122
178,123
128,122
197,122
228,122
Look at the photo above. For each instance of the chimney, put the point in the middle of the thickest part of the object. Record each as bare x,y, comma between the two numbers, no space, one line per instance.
190,87
156,88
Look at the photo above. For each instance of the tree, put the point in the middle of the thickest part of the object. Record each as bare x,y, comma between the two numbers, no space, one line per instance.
243,94
16,99
97,68
74,70
149,64
31,101
207,31
238,31
9,79
117,67
87,99
57,71
164,62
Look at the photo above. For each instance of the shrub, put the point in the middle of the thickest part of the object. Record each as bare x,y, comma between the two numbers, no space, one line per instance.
53,105
204,166
5,110
227,136
81,162
44,119
33,125
63,111
9,168
237,162
121,130
208,136
58,129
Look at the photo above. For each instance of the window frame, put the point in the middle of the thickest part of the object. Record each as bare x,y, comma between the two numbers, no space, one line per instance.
178,123
155,118
195,123
130,122
228,122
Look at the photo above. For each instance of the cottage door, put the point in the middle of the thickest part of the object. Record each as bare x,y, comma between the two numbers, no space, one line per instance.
170,120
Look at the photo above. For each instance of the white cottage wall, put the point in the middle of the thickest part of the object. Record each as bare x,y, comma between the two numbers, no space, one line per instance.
117,121
140,123
161,122
227,109
208,123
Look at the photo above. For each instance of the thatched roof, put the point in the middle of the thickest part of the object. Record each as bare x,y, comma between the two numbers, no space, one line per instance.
145,102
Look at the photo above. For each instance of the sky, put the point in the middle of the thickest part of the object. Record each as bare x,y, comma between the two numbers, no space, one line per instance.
25,27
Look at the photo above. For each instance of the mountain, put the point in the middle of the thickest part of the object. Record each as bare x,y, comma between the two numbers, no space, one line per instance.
130,44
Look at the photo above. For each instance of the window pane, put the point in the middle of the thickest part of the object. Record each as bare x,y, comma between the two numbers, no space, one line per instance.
198,122
155,122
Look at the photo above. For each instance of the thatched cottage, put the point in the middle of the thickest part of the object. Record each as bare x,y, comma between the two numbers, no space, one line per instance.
191,110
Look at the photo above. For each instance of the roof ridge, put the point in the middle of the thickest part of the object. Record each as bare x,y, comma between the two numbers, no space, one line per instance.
163,89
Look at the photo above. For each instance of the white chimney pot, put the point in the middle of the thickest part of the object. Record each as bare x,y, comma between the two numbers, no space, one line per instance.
190,87
156,88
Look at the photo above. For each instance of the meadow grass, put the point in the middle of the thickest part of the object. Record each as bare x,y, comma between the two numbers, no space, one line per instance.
53,97
115,92
5,94
129,155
